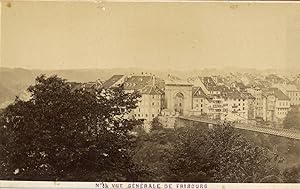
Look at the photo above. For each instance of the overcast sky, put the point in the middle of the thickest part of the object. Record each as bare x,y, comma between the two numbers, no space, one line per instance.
56,35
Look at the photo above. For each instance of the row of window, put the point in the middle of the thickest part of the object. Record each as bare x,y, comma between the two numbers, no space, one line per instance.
152,103
293,93
239,104
282,113
141,115
238,109
201,100
153,110
295,99
239,99
283,103
155,96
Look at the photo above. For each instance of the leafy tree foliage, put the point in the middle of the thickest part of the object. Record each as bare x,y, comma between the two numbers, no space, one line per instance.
153,153
292,119
292,174
220,154
62,133
155,124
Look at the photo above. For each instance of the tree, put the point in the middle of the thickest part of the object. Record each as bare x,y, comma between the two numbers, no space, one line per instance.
155,124
62,133
220,154
292,119
292,174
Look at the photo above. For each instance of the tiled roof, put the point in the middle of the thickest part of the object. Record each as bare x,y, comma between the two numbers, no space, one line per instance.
248,96
198,92
235,95
208,82
274,78
151,90
144,84
240,85
111,81
277,93
137,82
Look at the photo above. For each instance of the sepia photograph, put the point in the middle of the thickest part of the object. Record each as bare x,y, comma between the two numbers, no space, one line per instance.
150,92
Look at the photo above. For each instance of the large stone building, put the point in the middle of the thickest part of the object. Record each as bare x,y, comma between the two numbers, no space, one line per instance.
152,99
205,97
179,97
272,105
291,91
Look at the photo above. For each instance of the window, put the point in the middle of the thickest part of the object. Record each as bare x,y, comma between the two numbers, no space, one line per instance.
152,103
152,115
146,115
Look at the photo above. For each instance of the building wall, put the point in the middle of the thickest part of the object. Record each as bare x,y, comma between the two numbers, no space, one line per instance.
281,109
237,109
294,95
172,90
200,106
149,107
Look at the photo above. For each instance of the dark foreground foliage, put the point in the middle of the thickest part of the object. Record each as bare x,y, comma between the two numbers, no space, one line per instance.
63,133
292,119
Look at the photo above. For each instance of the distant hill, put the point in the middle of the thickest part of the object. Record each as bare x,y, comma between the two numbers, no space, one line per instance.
14,81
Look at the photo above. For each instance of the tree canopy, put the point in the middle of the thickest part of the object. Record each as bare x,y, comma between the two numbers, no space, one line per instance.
63,133
292,119
220,154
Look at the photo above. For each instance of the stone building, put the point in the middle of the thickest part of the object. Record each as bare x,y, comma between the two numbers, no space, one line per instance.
152,96
179,97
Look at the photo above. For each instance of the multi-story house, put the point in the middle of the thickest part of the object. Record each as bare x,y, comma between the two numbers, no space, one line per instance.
237,107
291,91
215,107
150,105
200,102
273,105
152,97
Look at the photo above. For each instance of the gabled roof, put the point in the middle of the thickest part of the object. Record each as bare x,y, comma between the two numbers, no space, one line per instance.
144,84
151,90
277,93
248,96
239,85
111,81
198,93
137,82
235,95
